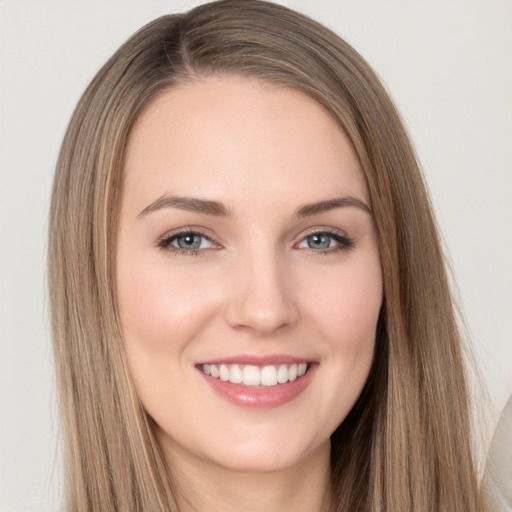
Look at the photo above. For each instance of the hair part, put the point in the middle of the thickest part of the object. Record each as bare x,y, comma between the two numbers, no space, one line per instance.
406,443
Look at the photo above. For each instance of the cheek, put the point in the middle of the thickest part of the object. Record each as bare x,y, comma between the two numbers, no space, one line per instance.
348,305
162,307
346,315
163,312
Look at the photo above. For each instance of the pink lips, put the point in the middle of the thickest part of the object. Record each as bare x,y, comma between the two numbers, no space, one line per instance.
259,397
258,360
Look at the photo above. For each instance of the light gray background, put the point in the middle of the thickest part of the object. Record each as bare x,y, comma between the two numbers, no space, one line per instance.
447,64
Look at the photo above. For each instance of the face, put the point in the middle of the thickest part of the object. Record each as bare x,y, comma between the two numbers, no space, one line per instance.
248,273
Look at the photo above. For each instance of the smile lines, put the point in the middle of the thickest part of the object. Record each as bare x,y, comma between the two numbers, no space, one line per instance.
249,375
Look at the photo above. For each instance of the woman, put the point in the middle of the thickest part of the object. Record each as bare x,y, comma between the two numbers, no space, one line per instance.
249,302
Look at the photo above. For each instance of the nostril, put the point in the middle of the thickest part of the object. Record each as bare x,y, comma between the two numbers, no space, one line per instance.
261,323
261,296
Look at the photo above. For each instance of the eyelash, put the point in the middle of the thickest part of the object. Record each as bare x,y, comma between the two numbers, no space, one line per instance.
165,243
344,243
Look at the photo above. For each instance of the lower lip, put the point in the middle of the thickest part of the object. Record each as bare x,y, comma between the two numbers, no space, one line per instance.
260,397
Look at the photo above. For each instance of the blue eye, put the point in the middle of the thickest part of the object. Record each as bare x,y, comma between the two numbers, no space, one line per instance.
319,241
194,243
186,242
326,242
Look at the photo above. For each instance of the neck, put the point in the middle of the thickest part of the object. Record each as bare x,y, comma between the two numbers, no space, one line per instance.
304,487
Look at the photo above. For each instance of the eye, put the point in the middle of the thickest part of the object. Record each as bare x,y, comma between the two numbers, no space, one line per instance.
186,242
326,241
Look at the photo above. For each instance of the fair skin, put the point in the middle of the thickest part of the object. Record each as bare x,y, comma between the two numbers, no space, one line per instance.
259,278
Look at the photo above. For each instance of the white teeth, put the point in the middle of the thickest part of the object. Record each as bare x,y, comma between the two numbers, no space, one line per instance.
269,376
282,374
235,374
224,372
249,375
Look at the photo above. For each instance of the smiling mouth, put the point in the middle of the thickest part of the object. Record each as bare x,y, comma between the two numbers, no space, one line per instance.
256,376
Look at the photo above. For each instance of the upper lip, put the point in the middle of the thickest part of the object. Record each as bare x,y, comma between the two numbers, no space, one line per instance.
258,360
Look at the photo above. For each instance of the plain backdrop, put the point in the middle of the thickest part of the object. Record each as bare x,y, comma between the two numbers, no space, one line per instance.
446,63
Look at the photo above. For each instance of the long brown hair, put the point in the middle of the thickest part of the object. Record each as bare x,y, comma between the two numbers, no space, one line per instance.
406,444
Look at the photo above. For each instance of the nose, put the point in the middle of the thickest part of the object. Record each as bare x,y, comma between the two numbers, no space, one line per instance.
260,298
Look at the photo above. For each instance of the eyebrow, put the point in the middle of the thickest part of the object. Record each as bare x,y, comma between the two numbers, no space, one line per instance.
218,209
192,204
331,204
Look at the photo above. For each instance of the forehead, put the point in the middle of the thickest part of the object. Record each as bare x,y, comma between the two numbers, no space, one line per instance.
232,138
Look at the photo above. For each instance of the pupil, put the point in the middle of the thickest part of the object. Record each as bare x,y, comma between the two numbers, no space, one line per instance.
189,242
319,241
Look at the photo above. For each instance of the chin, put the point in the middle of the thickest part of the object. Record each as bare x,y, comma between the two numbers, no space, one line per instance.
262,460
258,450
